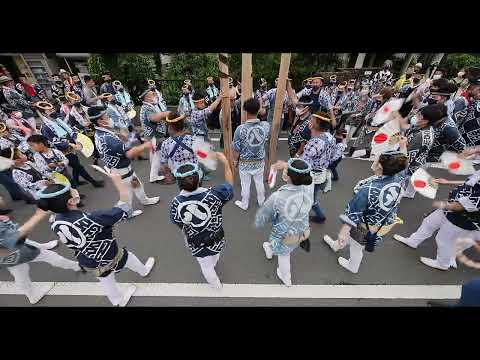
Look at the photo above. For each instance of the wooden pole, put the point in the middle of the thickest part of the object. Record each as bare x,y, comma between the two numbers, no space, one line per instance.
279,97
226,111
247,86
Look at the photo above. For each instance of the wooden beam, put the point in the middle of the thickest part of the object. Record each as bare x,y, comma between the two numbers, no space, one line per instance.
247,86
226,108
279,97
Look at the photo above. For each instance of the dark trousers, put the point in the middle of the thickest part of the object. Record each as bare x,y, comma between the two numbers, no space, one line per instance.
333,169
15,191
78,170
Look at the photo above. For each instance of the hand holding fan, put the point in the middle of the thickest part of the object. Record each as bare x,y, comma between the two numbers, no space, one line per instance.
456,165
386,138
204,153
272,177
423,183
383,114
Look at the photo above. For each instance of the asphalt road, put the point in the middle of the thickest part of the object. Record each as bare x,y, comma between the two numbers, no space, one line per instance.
243,260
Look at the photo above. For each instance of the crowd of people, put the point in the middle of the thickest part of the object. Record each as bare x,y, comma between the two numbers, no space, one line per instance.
41,139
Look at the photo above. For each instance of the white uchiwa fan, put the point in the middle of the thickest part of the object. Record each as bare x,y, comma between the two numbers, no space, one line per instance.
204,153
385,112
386,138
455,165
422,182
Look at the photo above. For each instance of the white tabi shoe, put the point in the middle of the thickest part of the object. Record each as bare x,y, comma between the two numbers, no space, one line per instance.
44,246
268,250
158,178
433,263
403,240
38,292
149,265
216,286
152,201
346,264
239,204
135,213
287,283
333,244
453,263
128,294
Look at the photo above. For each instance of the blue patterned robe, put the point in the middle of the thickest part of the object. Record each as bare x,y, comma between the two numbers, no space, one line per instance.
249,140
200,212
287,209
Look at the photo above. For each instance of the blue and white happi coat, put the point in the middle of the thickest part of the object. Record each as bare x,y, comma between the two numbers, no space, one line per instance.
176,151
468,195
186,105
198,120
419,141
152,129
249,141
287,209
90,235
447,137
200,212
468,123
212,94
112,150
19,252
58,133
299,133
318,151
378,194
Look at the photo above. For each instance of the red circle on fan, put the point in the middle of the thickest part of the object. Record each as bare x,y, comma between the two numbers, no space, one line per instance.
202,154
419,183
386,109
454,165
380,138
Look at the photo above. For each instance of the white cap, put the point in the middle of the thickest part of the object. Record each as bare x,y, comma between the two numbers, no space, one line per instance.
419,65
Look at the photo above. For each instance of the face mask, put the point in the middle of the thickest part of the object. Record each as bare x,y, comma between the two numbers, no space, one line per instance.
431,101
121,90
413,120
308,86
436,76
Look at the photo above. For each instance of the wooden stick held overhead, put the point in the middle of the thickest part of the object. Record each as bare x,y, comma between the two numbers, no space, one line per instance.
247,86
279,97
226,108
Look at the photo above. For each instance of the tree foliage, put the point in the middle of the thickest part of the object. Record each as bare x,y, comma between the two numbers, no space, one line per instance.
456,62
131,69
194,66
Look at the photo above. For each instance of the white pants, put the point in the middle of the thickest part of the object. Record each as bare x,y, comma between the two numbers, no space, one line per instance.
154,161
284,266
445,239
356,253
246,179
110,285
139,192
154,164
207,265
21,273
